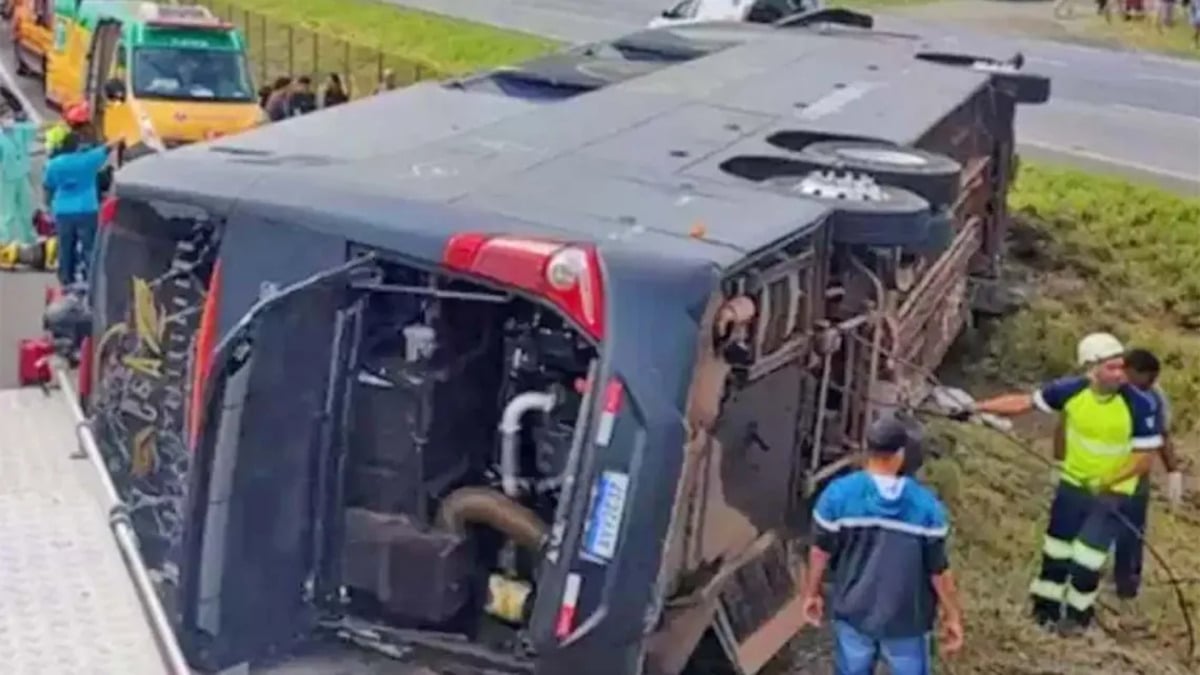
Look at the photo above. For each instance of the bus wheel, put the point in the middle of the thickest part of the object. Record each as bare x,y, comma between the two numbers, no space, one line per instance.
935,177
868,213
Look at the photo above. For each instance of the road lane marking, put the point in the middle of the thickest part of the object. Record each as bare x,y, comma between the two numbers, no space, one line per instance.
1049,62
1188,120
1115,161
1192,83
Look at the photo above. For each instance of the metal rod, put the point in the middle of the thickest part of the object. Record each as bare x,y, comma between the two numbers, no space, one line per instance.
822,400
435,292
123,532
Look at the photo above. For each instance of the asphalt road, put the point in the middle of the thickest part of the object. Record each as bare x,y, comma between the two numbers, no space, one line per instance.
1121,112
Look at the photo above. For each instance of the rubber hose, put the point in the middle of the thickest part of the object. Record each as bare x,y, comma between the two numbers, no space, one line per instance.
485,506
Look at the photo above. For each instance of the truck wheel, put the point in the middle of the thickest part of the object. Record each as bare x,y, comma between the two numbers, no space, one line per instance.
1007,75
935,177
865,212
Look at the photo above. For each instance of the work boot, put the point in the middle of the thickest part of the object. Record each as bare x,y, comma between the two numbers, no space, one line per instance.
1130,619
1075,623
1046,614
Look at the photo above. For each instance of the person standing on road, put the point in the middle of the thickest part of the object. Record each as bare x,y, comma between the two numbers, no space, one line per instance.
1194,18
17,136
1110,429
303,99
70,178
76,119
335,93
882,535
1165,14
279,103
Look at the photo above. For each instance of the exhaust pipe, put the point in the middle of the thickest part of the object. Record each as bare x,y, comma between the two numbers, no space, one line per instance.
485,506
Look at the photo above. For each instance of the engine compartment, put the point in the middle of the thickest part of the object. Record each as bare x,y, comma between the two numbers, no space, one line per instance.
462,406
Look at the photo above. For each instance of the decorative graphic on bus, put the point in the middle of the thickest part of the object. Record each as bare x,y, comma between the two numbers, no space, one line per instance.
145,363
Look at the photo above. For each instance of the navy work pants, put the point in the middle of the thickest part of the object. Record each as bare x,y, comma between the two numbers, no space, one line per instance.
1082,529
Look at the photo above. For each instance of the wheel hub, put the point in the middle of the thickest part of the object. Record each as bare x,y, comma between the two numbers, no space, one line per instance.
846,187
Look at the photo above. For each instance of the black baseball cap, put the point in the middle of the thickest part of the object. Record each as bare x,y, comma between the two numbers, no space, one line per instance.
888,434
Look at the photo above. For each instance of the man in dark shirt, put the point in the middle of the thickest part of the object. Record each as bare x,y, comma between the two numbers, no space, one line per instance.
278,105
1142,368
304,99
883,537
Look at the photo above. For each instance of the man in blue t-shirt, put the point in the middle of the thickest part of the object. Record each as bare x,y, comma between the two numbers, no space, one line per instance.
1142,369
882,536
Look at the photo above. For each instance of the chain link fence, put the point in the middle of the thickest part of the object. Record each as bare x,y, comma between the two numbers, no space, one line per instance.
278,48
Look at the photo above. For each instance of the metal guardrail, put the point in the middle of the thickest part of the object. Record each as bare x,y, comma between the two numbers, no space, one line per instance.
122,529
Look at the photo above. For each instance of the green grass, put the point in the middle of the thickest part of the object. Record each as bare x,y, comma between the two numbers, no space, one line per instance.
1106,254
1142,34
1101,254
362,38
880,4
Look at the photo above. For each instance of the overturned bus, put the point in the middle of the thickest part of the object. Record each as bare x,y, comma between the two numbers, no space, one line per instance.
538,370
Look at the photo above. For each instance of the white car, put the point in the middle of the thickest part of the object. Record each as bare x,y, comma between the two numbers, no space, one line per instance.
697,11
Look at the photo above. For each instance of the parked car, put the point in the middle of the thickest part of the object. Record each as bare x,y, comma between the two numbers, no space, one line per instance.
759,11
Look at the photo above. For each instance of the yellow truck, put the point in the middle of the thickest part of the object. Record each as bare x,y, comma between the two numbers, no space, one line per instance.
156,76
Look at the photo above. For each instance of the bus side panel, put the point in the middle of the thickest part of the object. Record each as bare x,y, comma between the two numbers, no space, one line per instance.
156,262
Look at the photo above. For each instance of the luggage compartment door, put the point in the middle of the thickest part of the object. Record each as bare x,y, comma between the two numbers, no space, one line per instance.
254,520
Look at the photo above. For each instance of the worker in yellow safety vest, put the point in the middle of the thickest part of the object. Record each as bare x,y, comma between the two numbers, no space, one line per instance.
77,119
1111,430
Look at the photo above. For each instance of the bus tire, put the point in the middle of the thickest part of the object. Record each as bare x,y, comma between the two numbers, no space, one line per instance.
935,177
864,212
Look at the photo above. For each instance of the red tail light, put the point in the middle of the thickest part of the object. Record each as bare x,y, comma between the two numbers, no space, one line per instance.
206,339
108,211
566,275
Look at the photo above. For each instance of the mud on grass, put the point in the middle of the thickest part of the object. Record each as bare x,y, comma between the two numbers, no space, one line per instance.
1101,254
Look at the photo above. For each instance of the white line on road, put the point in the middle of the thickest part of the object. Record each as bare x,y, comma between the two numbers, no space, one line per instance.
1191,120
1049,62
1193,83
11,82
1100,157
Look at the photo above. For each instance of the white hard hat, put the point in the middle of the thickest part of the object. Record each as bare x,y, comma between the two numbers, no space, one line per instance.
1098,347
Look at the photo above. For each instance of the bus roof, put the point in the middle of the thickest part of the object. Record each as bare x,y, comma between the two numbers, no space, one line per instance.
639,162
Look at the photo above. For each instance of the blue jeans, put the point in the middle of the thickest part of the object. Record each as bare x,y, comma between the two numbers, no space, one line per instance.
857,652
76,239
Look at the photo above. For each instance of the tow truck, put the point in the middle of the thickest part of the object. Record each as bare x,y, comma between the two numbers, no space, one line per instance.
544,378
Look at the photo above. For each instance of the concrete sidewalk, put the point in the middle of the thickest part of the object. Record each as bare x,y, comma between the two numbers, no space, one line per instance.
67,606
